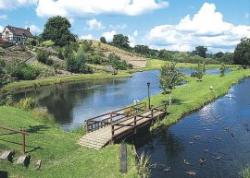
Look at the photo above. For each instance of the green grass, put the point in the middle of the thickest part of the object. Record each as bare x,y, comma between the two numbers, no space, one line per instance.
246,173
22,85
60,154
196,94
156,64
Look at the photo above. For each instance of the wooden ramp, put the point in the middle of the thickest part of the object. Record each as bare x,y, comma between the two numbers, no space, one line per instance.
107,128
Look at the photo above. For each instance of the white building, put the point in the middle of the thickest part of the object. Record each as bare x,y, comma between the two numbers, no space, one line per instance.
16,35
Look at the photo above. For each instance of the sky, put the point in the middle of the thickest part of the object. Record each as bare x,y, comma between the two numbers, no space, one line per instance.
162,24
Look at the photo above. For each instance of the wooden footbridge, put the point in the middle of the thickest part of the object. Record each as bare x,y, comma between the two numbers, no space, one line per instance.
109,127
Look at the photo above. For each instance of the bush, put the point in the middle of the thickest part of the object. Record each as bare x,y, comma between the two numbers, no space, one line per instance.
117,63
43,57
47,43
42,113
26,103
25,72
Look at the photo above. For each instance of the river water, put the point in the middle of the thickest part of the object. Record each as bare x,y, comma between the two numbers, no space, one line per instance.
213,142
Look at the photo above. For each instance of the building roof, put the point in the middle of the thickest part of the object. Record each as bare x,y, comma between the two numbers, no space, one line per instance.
20,31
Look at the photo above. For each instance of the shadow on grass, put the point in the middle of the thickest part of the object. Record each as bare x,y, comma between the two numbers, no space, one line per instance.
37,128
29,149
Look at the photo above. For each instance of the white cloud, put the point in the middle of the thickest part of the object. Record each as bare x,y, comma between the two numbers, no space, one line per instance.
87,37
1,28
135,33
3,17
207,28
10,4
94,24
34,29
109,35
85,7
118,26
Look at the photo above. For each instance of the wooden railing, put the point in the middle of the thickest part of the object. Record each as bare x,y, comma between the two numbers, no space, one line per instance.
22,132
116,126
103,120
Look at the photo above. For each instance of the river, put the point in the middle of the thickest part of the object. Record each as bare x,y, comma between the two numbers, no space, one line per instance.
213,142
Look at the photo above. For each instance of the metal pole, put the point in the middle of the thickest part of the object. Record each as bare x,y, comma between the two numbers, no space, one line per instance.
149,104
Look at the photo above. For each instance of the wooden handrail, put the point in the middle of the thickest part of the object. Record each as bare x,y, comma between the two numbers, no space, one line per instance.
22,132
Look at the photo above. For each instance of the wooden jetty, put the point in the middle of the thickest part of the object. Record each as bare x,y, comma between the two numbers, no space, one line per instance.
109,127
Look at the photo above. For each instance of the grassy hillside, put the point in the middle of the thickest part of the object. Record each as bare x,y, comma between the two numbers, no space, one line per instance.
132,58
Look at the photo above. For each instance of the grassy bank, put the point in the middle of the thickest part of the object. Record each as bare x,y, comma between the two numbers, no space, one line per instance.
156,64
32,84
194,95
60,154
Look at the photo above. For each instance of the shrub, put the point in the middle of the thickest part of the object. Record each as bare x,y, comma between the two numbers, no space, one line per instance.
43,56
42,113
25,72
117,63
26,103
47,43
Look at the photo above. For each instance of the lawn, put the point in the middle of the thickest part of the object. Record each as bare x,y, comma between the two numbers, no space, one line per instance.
60,154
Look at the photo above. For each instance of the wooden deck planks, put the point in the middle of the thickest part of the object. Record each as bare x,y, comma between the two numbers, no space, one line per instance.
103,136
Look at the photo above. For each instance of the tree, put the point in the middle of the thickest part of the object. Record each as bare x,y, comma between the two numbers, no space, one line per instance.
142,49
170,77
219,55
242,52
77,63
57,30
222,70
164,54
103,39
200,51
121,41
199,72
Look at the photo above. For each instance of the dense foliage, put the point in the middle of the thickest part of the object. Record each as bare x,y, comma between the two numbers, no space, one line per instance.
117,63
103,40
242,52
200,51
121,41
57,30
76,63
3,73
170,77
24,71
43,57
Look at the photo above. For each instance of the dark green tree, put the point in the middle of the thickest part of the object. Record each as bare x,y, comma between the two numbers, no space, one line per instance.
142,49
57,29
242,52
200,51
222,70
199,72
121,41
170,77
103,39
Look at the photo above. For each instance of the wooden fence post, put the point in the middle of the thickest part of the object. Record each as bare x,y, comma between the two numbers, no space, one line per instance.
134,124
123,159
24,141
113,133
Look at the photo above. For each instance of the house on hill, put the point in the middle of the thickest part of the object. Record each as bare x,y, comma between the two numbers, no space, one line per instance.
16,35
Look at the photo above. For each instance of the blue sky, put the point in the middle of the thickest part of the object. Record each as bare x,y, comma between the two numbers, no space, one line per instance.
217,24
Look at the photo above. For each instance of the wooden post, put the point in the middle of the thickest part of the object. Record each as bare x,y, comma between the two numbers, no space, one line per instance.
113,133
24,141
134,124
111,118
123,159
87,127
